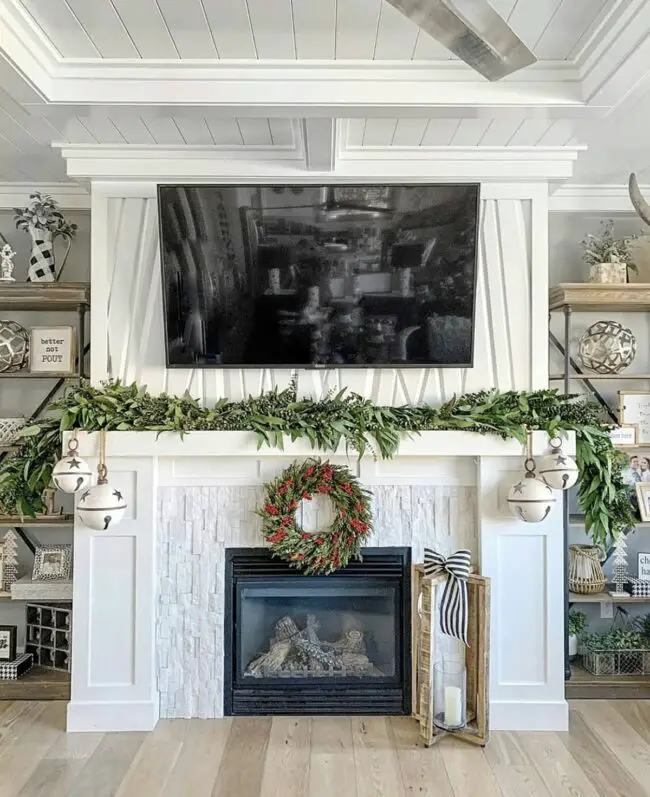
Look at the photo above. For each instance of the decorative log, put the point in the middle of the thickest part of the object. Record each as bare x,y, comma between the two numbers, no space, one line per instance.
271,661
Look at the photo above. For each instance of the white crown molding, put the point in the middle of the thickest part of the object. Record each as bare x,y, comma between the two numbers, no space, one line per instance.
26,48
581,198
70,196
392,164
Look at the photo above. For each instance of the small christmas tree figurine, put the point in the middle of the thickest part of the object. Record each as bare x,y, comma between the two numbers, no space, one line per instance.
10,560
620,574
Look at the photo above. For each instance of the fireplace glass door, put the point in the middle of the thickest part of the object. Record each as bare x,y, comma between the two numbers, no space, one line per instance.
318,644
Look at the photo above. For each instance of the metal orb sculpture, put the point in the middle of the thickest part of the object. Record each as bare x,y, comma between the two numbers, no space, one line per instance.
14,346
607,347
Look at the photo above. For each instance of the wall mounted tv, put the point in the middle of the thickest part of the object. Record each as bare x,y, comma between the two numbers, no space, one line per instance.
319,276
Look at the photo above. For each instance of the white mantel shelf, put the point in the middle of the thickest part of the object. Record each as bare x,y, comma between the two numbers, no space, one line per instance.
245,444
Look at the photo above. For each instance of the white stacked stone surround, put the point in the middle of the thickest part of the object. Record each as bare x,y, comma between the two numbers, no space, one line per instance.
196,526
189,499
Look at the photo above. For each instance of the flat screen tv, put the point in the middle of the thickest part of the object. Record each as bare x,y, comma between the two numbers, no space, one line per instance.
319,276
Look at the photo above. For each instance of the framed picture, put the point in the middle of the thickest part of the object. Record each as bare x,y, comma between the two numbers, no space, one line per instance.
643,566
624,436
53,563
643,496
635,410
52,350
637,470
8,642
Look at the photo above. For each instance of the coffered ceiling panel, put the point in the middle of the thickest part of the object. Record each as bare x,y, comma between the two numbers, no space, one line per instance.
287,29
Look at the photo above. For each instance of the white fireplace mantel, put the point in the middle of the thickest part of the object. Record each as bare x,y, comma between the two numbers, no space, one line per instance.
116,583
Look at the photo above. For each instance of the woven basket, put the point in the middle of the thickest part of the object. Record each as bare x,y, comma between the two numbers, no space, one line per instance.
9,428
586,576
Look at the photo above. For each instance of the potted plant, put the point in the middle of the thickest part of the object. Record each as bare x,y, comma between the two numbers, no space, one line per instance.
577,625
642,625
43,220
608,258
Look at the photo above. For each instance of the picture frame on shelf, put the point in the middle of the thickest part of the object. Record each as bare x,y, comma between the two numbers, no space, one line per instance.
634,410
8,637
637,470
52,350
52,563
643,497
624,436
643,566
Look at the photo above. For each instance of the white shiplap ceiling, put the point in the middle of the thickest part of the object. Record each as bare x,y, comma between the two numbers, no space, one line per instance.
288,29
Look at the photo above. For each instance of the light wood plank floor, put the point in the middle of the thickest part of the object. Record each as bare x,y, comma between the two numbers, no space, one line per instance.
605,754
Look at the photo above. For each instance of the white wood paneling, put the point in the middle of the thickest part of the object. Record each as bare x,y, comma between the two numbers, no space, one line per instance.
272,25
396,34
409,132
104,27
231,28
255,132
503,333
225,131
315,28
357,23
146,27
529,132
529,20
428,49
470,132
567,27
194,129
61,27
189,28
379,132
440,132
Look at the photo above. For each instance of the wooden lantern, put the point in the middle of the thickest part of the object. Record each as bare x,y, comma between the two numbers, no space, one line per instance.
477,657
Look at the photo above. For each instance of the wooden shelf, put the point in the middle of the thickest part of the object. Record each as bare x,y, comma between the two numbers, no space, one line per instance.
583,685
604,597
30,375
8,449
594,377
57,521
579,520
5,596
27,590
44,296
595,296
39,683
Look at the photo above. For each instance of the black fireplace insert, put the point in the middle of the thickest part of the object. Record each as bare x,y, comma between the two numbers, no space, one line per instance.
336,644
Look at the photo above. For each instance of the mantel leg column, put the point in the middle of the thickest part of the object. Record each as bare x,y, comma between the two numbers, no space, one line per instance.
114,610
525,563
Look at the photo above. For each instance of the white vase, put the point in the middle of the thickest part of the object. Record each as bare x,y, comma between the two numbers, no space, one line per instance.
608,273
573,646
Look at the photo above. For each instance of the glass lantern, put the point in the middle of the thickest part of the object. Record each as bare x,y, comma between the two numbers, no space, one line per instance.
449,697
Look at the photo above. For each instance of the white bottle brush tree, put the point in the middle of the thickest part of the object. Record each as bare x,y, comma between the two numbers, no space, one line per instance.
620,573
10,560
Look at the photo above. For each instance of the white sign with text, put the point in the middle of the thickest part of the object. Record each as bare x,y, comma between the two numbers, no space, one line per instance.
52,350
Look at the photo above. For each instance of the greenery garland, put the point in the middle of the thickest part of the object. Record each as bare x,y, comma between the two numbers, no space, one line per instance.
348,418
324,551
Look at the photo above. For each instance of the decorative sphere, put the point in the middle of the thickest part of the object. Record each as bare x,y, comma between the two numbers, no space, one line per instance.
71,474
14,346
558,470
101,507
531,500
607,347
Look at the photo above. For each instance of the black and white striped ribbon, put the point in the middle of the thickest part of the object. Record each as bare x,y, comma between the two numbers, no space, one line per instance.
454,604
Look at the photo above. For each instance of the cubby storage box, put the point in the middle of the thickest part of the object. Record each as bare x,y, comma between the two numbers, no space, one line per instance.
49,634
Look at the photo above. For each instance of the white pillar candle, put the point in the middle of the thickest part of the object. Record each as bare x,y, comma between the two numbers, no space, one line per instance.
453,706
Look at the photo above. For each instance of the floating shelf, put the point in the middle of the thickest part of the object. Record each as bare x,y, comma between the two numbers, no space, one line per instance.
27,590
604,597
594,377
583,686
44,296
54,521
30,375
579,520
597,296
40,683
5,596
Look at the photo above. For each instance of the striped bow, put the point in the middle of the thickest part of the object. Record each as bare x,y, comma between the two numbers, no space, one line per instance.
454,604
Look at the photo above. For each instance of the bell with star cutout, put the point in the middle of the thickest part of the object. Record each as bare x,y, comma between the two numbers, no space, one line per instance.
557,469
101,507
72,473
531,500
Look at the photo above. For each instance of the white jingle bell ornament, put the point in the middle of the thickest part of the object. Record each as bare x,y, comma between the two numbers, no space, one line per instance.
557,469
531,500
72,473
101,507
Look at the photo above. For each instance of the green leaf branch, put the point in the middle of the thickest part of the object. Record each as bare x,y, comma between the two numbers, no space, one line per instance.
345,418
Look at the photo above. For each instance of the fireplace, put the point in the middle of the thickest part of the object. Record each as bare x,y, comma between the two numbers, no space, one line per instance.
337,644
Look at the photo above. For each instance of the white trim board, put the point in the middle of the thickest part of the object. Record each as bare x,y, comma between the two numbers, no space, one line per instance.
70,196
576,198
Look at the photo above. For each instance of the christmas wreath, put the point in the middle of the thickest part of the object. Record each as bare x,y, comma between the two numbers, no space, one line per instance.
320,552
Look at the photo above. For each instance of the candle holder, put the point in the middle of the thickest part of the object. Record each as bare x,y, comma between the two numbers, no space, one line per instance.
450,695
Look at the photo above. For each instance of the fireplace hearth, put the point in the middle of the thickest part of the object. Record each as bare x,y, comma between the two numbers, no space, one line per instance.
337,644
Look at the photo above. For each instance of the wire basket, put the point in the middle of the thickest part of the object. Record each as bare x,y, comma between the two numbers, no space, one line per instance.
9,429
617,662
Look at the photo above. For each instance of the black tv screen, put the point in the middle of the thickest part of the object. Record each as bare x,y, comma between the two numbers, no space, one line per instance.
318,276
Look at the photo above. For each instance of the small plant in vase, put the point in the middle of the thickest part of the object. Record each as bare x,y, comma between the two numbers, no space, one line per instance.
43,220
577,625
608,258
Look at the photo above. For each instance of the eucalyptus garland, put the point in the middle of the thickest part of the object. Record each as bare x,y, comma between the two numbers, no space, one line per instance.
327,550
326,423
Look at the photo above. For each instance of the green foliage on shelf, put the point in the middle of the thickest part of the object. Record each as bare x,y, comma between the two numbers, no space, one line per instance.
577,623
345,418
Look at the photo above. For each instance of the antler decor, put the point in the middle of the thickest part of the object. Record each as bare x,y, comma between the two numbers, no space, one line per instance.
641,206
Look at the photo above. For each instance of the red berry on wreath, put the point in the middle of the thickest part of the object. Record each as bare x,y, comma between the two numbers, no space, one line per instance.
347,488
272,510
306,496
